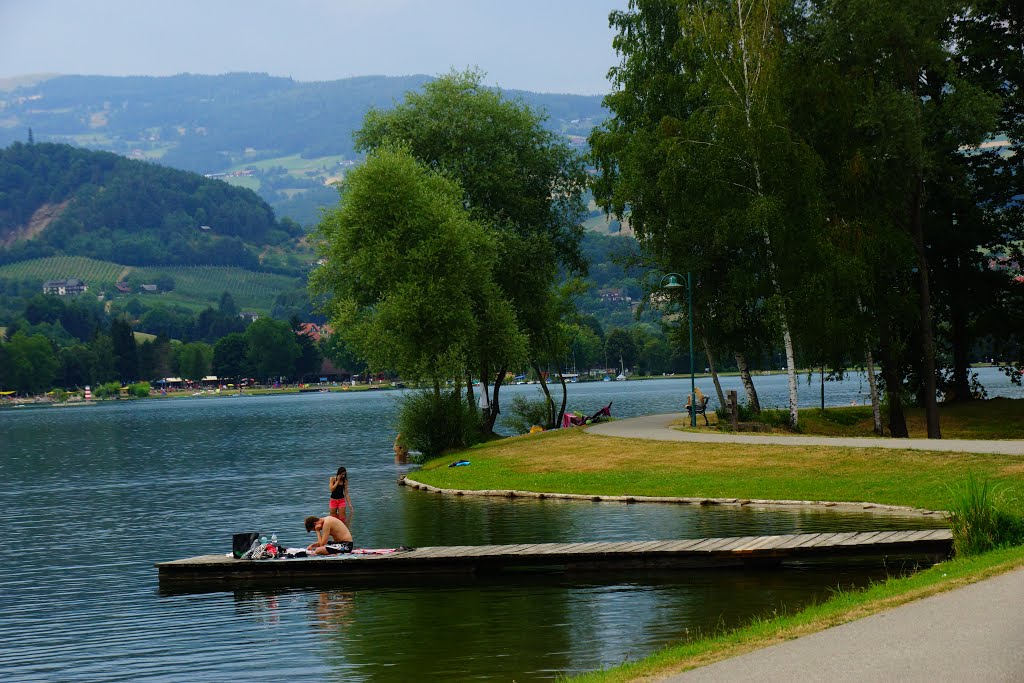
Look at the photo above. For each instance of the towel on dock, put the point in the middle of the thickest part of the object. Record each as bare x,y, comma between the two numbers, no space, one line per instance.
302,552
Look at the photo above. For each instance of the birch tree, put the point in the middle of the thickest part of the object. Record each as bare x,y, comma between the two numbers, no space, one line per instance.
700,151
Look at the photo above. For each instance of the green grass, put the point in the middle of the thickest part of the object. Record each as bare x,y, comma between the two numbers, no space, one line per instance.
996,418
295,164
248,182
573,461
90,271
205,284
195,286
843,607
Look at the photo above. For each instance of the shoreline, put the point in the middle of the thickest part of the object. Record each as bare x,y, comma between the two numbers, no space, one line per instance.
880,508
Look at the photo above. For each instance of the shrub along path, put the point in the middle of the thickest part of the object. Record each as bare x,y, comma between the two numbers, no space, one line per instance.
659,428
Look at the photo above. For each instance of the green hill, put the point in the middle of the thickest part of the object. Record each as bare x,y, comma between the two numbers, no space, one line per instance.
62,200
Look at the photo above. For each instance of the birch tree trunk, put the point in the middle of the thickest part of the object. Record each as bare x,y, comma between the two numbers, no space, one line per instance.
751,73
748,383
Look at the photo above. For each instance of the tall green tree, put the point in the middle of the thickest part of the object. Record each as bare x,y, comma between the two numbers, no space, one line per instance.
408,273
271,349
899,114
229,357
520,180
32,363
125,350
700,154
194,360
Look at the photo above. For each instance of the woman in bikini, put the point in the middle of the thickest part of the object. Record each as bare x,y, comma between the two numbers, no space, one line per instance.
341,504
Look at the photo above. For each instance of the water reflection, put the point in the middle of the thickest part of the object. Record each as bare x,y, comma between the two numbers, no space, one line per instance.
134,483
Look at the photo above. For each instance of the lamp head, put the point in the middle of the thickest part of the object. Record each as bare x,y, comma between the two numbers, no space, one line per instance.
673,282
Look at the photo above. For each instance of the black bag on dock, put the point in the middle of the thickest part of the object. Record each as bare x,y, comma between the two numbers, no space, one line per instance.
240,543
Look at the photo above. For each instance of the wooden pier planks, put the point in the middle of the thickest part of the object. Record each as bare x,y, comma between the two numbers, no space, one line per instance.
687,553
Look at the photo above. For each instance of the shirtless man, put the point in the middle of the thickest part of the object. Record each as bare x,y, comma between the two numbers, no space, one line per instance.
332,536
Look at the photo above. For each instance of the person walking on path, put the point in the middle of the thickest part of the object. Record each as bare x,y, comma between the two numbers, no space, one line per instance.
341,504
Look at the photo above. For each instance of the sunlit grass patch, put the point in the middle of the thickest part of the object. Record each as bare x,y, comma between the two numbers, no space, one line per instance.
573,461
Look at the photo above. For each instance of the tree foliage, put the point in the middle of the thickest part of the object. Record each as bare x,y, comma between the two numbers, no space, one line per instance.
517,178
408,272
108,207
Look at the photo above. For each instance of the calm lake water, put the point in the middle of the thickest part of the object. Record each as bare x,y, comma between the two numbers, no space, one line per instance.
93,496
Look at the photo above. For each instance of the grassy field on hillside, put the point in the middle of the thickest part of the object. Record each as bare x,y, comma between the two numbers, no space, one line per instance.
90,271
295,164
195,286
205,284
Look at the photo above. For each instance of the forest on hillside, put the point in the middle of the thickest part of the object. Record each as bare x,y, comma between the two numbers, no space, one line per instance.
107,207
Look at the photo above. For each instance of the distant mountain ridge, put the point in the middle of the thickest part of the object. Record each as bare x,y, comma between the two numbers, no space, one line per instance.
209,123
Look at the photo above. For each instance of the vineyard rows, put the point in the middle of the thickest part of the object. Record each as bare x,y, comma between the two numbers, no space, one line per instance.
90,271
195,285
207,283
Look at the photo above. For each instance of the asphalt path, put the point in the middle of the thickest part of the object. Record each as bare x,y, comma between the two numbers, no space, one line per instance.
975,633
656,427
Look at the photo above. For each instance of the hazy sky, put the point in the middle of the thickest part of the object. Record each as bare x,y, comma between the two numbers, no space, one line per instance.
541,45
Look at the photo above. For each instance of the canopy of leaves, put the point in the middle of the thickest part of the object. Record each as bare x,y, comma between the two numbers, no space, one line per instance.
408,270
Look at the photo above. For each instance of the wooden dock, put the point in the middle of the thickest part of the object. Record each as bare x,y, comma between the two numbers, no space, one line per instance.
929,545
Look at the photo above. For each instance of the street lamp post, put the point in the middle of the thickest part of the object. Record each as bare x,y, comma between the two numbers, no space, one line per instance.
673,283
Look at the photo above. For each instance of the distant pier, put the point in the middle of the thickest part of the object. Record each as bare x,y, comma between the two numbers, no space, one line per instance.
927,545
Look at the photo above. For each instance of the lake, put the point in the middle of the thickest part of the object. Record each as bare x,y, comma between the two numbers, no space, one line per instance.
93,496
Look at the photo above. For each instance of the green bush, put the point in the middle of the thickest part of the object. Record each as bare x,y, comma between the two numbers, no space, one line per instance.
846,417
108,390
139,390
431,424
980,519
524,413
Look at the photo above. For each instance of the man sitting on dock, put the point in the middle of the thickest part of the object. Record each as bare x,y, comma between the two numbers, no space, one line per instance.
332,536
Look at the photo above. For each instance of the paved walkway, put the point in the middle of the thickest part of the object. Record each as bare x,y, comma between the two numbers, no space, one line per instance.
973,633
656,427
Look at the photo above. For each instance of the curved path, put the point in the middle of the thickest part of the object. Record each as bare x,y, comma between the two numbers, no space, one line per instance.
968,634
657,428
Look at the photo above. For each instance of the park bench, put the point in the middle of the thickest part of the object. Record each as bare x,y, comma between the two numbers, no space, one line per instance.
701,408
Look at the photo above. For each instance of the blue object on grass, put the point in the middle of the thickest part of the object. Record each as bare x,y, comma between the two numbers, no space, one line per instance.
459,463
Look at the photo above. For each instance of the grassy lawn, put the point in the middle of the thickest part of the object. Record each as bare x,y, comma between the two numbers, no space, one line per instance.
572,461
843,607
996,418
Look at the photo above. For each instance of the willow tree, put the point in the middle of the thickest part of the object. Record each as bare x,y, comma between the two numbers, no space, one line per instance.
520,181
699,151
408,274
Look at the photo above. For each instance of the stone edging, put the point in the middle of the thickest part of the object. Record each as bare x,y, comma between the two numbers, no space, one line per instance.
738,502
